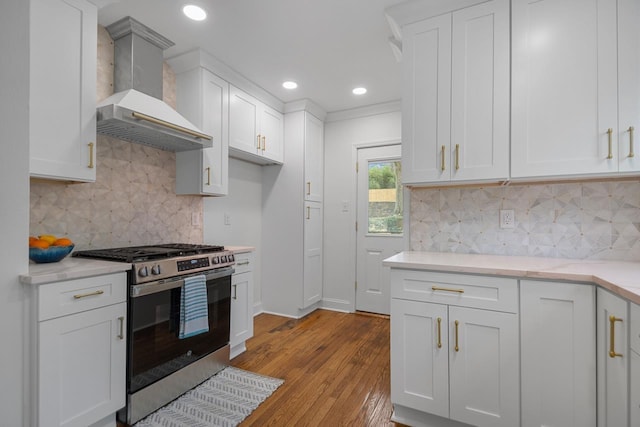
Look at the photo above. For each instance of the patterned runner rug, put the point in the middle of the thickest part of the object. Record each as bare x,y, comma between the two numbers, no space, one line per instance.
225,399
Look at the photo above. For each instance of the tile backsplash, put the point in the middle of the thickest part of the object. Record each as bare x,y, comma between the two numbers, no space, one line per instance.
595,220
132,202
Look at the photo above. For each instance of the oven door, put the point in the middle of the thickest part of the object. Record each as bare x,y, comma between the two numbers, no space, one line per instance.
155,351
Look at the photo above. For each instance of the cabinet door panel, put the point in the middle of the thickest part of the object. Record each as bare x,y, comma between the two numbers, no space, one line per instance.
82,366
243,125
272,128
629,83
63,89
634,396
558,354
426,119
419,365
241,308
312,288
483,367
480,92
313,158
215,160
564,87
613,373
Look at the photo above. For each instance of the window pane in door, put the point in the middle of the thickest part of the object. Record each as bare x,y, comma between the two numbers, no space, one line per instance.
385,197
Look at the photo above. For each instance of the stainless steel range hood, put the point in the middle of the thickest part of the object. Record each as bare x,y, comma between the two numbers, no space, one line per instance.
136,112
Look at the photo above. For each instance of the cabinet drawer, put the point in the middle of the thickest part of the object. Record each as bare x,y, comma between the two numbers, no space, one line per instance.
73,296
487,292
244,262
635,327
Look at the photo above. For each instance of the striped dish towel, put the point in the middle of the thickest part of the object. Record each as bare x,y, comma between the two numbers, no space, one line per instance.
194,315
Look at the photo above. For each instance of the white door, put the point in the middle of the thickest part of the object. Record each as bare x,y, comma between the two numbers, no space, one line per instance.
379,224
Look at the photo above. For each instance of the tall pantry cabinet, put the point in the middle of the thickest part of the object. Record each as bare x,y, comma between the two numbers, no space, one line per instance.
293,214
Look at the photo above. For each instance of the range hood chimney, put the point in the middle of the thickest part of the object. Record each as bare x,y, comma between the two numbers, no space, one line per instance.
136,112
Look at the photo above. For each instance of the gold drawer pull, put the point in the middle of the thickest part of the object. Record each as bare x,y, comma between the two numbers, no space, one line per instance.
457,156
439,332
258,141
308,188
121,334
612,339
235,291
442,167
631,153
264,142
244,262
437,288
208,176
90,294
90,166
308,212
457,348
610,133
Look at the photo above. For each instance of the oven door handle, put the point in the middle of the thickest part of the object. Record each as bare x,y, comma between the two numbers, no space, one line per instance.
160,286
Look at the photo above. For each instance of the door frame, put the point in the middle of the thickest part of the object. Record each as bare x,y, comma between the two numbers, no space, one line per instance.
354,211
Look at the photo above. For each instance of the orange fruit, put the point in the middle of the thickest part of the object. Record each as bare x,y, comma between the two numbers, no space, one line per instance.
49,238
63,241
39,243
32,239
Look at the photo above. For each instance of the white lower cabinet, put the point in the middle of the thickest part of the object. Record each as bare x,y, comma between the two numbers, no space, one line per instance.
634,378
450,360
81,356
241,303
613,355
558,358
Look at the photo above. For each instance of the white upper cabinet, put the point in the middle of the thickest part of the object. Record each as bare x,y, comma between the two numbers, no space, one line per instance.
628,84
62,110
255,129
203,98
313,158
564,87
456,96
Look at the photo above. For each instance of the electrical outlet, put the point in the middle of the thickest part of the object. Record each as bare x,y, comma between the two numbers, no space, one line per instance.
227,219
507,218
195,219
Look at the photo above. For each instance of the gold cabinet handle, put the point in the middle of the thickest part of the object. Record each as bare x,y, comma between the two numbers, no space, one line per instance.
439,332
308,212
630,130
244,262
90,155
208,175
442,167
308,188
457,347
610,134
437,288
90,294
121,334
264,142
258,138
235,291
457,156
612,339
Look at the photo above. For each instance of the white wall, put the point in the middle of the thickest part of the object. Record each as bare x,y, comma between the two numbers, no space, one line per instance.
342,135
243,205
14,206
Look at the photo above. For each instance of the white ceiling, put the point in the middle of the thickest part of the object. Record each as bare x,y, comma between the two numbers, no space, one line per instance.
327,46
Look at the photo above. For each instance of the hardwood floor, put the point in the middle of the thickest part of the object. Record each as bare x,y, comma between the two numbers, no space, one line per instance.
335,367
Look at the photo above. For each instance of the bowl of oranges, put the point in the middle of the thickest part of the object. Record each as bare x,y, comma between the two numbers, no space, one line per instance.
49,248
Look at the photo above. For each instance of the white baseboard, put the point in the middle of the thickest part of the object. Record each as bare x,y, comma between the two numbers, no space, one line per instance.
337,305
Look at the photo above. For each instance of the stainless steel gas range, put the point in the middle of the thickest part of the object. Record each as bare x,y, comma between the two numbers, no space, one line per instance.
161,363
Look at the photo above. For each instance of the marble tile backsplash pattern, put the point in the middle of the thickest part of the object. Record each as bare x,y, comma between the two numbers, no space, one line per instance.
591,220
133,201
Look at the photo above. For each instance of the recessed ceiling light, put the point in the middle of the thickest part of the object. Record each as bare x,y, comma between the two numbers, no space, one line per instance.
289,84
194,12
359,91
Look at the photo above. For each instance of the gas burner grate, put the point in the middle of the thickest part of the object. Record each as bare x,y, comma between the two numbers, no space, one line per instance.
148,253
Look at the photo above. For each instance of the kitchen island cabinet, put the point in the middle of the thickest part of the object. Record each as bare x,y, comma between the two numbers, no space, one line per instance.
203,98
80,337
455,106
454,347
62,107
558,358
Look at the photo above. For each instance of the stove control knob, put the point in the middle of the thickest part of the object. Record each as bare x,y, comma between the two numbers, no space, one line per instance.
231,258
155,270
143,271
215,260
223,258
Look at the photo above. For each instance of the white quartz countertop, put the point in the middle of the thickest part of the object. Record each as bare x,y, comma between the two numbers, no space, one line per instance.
70,268
622,278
